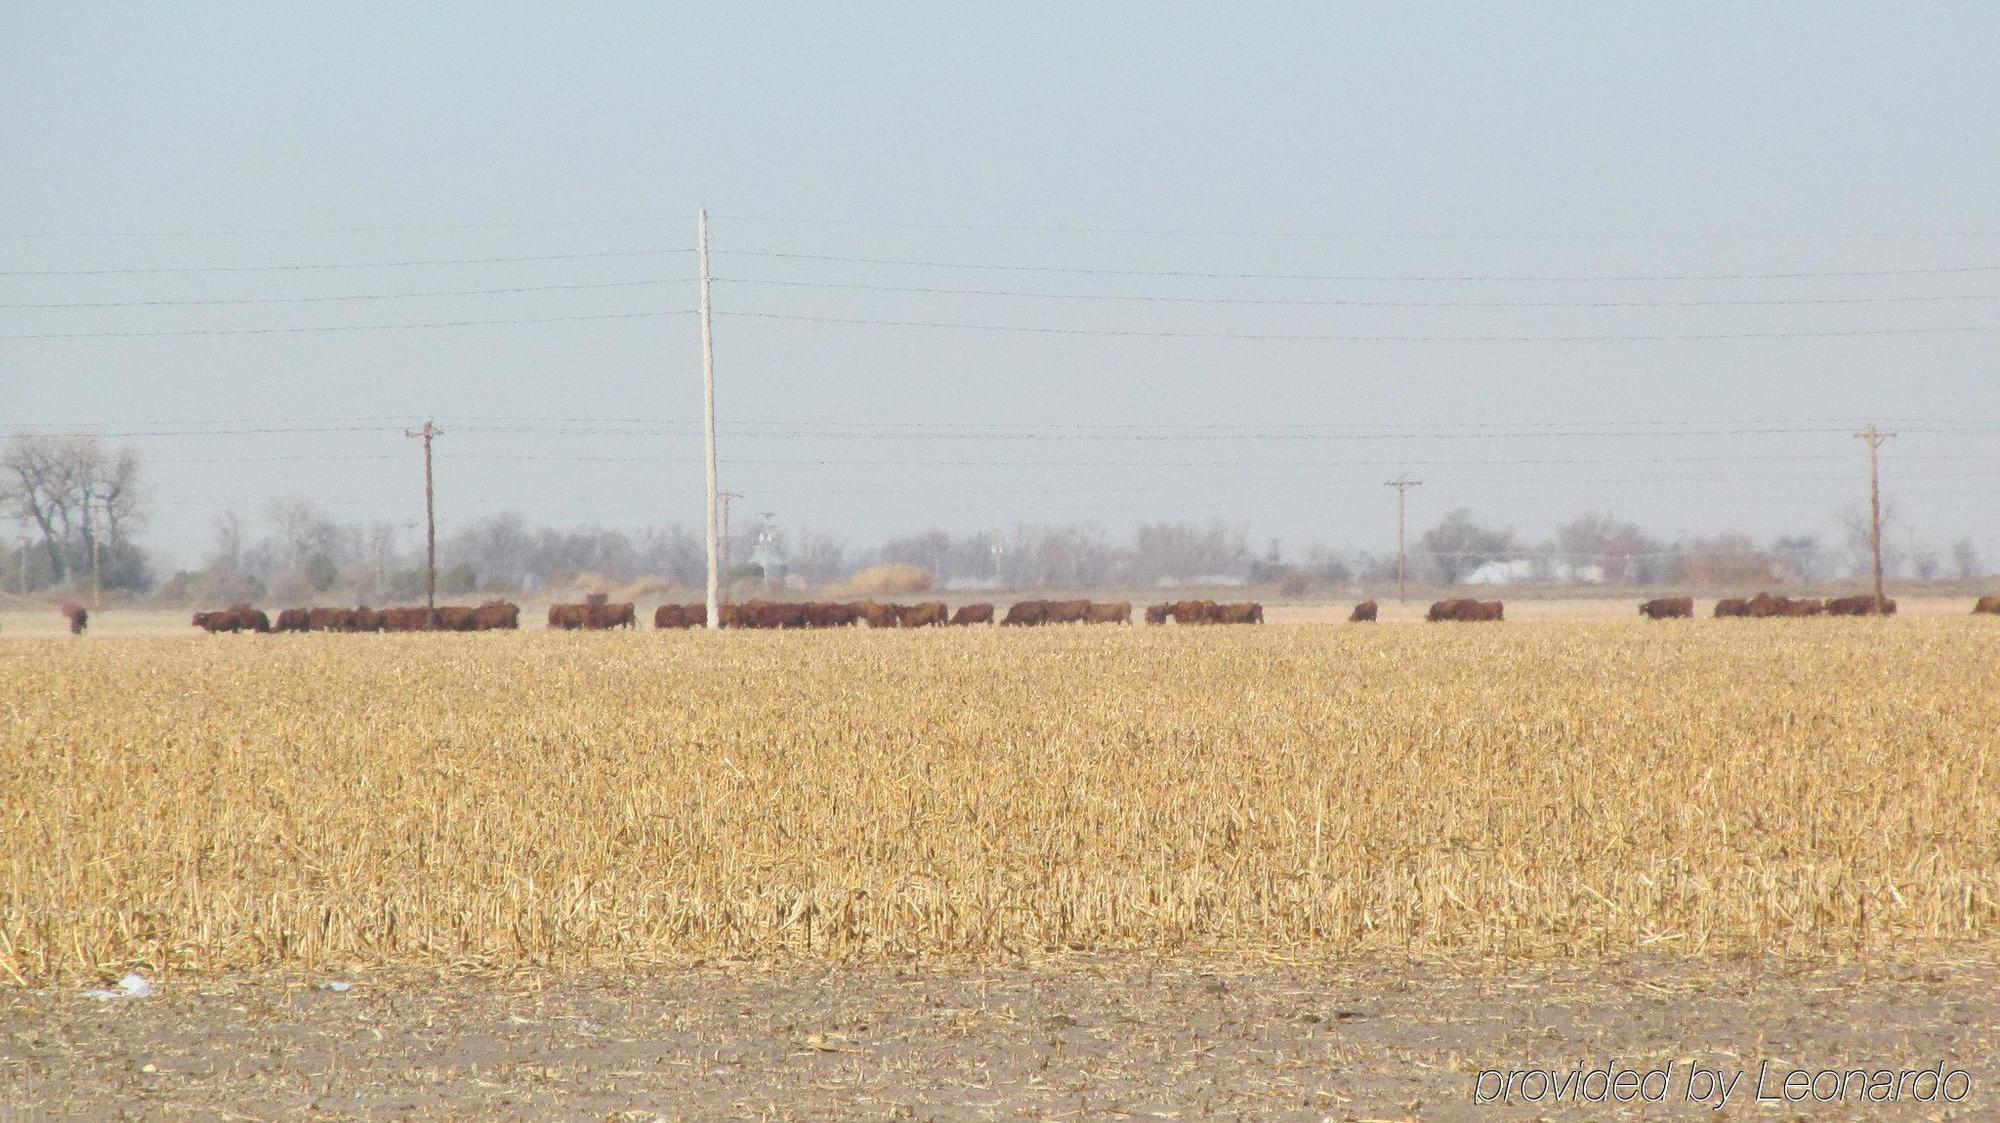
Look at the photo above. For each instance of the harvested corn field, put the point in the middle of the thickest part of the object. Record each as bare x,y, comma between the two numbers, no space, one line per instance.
1531,790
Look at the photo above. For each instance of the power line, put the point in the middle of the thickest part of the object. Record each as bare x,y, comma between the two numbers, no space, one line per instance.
351,296
1111,272
343,327
1349,235
336,264
1277,302
1147,333
376,228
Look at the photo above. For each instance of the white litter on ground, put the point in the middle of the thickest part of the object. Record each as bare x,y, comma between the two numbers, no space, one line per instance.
131,986
337,987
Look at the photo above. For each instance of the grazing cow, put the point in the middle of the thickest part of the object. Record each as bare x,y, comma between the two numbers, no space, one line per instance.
972,614
326,619
823,614
568,617
293,620
1987,605
1364,613
929,614
367,619
235,618
678,616
1446,609
77,615
1068,611
1194,612
408,620
1248,612
1026,614
1117,613
1732,606
1764,605
1667,608
1466,610
456,618
1158,613
1859,606
620,615
497,615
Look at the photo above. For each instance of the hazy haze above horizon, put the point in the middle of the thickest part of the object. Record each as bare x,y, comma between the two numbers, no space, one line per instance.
1197,263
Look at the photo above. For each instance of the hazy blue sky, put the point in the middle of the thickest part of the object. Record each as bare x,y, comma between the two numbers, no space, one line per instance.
1407,141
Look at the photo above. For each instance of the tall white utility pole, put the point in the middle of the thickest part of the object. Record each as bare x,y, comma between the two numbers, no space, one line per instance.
708,432
1402,484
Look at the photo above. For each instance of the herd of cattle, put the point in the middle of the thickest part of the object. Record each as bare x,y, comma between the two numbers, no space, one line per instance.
598,614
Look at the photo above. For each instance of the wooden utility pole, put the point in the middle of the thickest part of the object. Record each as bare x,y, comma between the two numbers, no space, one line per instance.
1875,437
708,427
1402,484
430,515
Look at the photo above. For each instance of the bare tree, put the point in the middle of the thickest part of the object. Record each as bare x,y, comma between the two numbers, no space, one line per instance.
80,500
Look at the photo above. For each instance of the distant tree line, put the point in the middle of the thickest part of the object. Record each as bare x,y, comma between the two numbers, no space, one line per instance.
72,497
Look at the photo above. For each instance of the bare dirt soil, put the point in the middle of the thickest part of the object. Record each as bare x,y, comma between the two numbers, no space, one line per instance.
1085,1038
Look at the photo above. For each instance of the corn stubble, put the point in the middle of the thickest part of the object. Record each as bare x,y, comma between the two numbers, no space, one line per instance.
487,801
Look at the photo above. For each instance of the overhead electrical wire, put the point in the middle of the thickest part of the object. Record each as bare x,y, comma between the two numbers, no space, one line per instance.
408,295
1310,337
1385,277
1280,302
345,327
309,266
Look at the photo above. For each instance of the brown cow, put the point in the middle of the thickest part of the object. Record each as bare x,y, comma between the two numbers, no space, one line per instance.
235,618
1364,613
1248,612
620,615
1667,608
1446,609
824,614
497,615
1026,614
1158,613
568,617
972,614
1987,605
1859,606
678,616
293,620
408,620
1467,610
929,614
1732,606
1068,611
367,619
325,620
456,618
1119,612
1194,612
1764,605
77,615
